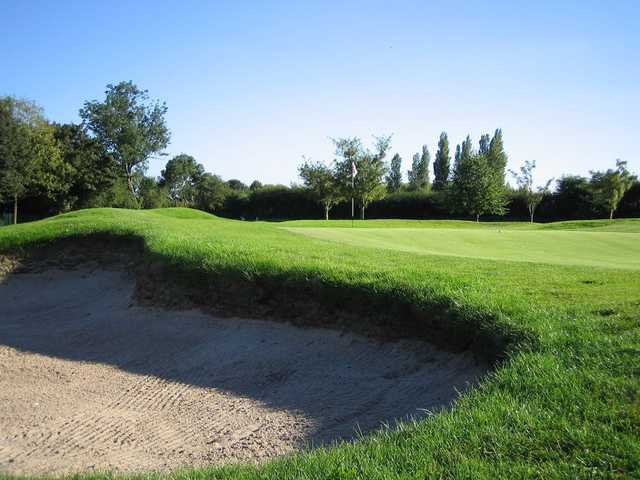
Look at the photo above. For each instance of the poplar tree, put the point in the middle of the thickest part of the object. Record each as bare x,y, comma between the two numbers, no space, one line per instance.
485,142
425,160
419,173
394,177
496,156
441,164
476,188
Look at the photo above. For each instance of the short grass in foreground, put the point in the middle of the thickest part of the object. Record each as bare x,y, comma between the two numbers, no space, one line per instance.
570,408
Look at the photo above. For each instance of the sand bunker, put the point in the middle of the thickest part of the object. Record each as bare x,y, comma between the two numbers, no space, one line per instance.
89,380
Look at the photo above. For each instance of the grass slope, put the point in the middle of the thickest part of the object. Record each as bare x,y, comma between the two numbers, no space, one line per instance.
568,408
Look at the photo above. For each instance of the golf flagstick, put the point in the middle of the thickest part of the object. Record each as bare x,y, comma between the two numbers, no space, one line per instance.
354,172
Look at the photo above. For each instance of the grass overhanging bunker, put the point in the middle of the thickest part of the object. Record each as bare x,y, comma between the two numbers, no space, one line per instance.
121,385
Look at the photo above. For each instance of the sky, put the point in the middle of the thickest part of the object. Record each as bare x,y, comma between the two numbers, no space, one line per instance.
251,87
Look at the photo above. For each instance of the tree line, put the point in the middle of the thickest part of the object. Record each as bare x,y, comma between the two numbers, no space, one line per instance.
102,161
475,185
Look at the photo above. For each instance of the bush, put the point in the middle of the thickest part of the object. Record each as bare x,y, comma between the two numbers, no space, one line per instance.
410,205
272,202
630,203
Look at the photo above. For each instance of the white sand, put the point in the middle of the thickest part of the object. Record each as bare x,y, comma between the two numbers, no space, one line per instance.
88,380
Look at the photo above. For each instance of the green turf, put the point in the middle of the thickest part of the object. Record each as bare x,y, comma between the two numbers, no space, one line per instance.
630,225
567,408
567,247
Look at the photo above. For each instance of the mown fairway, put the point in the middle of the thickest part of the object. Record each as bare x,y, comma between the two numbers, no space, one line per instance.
564,404
565,247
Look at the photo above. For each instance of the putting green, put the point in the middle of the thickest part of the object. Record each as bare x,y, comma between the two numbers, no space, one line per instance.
600,249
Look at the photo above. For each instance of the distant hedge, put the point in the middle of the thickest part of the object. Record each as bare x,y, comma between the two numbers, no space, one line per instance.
281,202
287,203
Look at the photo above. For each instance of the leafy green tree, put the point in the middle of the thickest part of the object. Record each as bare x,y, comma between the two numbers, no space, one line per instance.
180,177
255,185
151,193
321,180
394,176
466,150
476,189
237,185
609,187
119,195
30,157
130,127
496,156
419,173
212,192
368,183
425,161
485,144
91,170
17,118
524,179
413,179
441,164
573,198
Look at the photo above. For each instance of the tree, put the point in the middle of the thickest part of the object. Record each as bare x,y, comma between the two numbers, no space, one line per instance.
609,187
180,177
476,188
130,127
496,156
255,185
394,176
237,185
17,118
524,179
368,183
413,178
30,157
151,193
321,180
212,192
629,206
485,142
441,164
92,171
419,173
573,198
466,150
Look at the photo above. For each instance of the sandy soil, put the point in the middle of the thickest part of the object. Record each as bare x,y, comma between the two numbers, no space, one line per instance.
91,381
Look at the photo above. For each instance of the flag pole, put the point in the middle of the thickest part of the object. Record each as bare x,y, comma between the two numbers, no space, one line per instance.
352,202
354,172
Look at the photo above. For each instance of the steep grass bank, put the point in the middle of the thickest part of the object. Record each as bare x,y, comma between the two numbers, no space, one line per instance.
565,407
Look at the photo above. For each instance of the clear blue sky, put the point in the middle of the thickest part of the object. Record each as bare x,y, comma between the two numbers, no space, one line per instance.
252,86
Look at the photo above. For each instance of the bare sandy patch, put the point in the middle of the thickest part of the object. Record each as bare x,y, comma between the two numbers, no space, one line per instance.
91,381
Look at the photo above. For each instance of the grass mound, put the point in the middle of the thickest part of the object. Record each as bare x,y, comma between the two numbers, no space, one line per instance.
564,404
